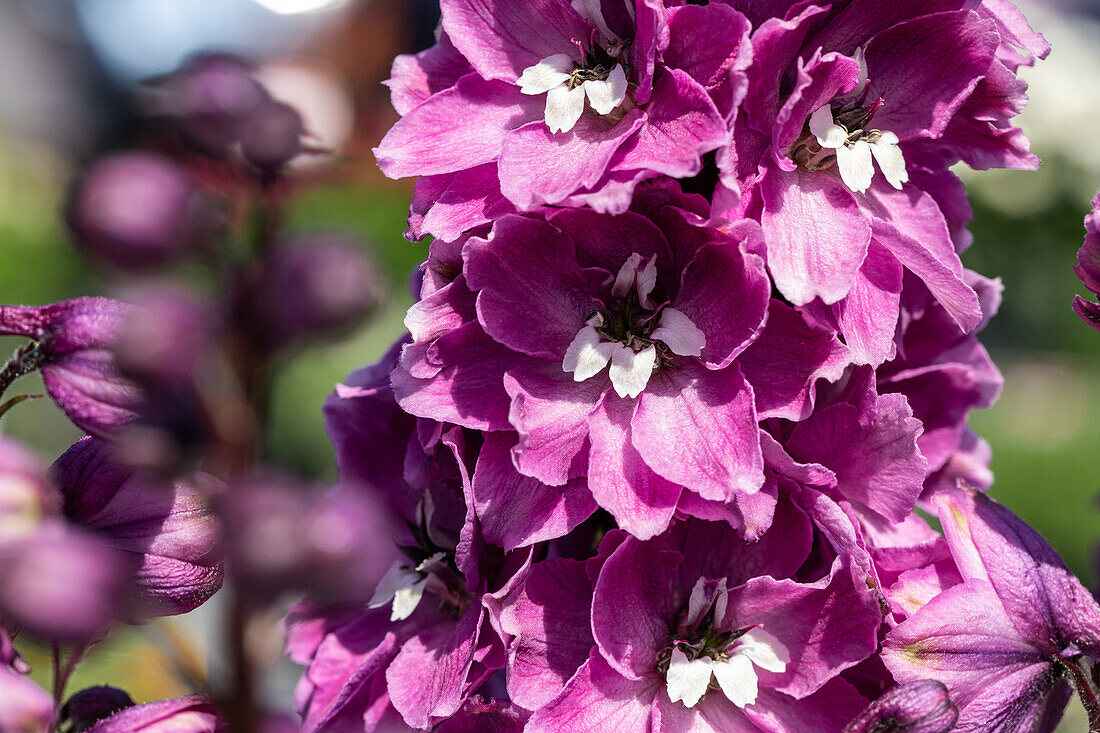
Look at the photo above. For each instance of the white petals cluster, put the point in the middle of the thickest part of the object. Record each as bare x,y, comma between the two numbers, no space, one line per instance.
405,586
734,670
554,77
565,102
631,367
854,152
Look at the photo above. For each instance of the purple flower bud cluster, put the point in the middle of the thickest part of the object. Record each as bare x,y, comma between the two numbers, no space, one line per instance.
691,359
165,499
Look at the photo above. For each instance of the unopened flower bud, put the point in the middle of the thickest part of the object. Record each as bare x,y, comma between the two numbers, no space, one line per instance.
194,714
26,495
24,706
922,706
72,349
164,529
93,704
62,584
211,100
285,535
273,136
139,209
314,286
166,336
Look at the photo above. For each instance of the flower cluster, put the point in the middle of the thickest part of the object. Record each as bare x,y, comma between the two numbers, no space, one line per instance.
692,344
687,375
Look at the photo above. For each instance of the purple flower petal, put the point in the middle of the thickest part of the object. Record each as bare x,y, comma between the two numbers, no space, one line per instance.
697,428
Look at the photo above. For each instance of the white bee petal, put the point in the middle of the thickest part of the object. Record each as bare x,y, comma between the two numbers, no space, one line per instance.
630,371
564,107
551,72
687,679
587,355
605,96
828,133
856,168
890,159
737,679
679,333
765,651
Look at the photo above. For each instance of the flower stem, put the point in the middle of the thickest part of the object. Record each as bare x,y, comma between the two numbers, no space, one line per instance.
1086,692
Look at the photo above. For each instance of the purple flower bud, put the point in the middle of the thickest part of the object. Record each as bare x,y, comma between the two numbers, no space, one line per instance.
166,337
285,535
922,706
89,706
26,494
139,209
273,136
165,529
24,706
61,584
194,714
314,286
72,350
212,99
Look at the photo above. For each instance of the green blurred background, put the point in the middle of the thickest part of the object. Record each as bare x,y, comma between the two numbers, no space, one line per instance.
1044,431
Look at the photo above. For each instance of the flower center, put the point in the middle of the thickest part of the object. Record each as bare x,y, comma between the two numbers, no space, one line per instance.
636,336
428,568
842,137
706,658
600,76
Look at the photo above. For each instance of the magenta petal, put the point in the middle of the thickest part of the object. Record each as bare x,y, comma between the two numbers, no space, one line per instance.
697,428
541,167
633,606
776,43
947,284
608,241
682,124
820,80
642,502
470,198
597,698
427,678
868,317
817,236
461,127
517,510
549,618
501,38
828,709
1048,605
874,454
724,293
923,90
786,360
415,77
550,412
469,391
532,296
710,42
827,627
